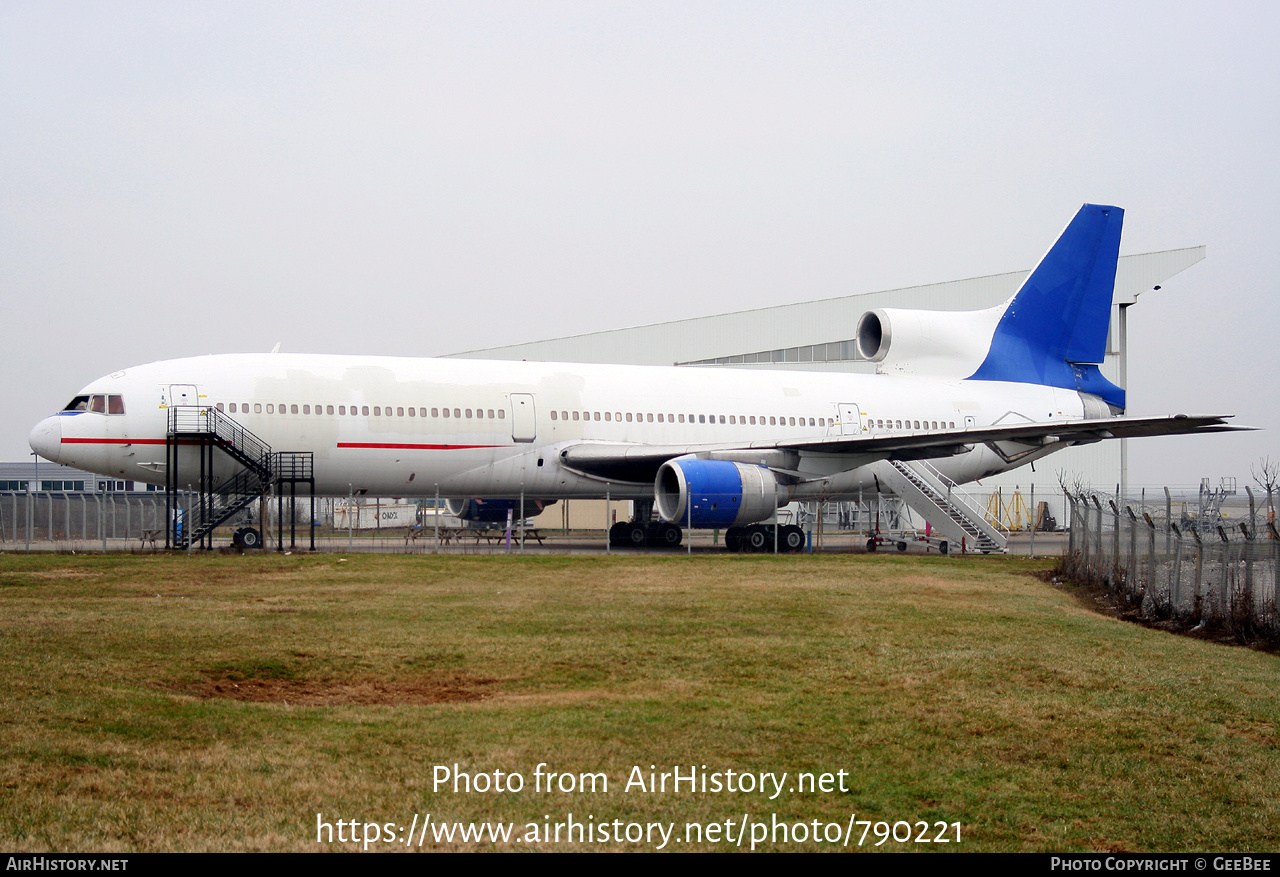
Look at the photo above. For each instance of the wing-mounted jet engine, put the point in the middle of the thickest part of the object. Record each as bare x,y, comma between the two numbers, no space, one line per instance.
494,511
721,493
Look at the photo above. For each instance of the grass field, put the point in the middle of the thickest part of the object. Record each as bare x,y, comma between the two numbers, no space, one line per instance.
221,703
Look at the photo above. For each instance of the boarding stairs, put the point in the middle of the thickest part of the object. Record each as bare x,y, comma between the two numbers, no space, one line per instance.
208,429
941,502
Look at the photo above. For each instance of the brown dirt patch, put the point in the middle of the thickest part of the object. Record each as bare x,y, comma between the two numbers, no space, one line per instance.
369,692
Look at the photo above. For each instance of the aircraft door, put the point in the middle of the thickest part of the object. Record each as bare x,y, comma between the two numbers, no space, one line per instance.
524,426
182,394
850,419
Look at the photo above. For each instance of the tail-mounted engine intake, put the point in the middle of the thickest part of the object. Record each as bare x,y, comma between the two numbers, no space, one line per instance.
722,494
904,341
494,511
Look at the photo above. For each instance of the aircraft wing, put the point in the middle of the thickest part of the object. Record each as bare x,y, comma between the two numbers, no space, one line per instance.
639,463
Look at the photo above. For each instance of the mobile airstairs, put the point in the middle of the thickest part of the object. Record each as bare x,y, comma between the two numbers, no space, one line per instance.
940,501
212,497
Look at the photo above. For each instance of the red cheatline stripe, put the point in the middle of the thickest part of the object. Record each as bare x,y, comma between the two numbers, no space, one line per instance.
113,441
411,447
374,445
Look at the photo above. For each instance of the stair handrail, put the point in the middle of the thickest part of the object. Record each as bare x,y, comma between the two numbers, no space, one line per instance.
957,494
208,420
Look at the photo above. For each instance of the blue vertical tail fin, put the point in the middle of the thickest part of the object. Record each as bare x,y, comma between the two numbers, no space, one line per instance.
1054,330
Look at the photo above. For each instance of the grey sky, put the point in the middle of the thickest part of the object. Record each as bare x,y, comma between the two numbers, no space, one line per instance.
422,178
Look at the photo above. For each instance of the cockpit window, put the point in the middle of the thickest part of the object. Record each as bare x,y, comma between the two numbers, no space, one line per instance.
101,404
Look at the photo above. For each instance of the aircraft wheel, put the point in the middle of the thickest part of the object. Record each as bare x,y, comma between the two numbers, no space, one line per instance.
618,534
943,548
757,538
670,535
247,537
871,545
733,539
636,535
902,546
792,538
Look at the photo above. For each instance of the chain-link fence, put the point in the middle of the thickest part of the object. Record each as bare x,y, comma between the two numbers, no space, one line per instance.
1220,576
75,521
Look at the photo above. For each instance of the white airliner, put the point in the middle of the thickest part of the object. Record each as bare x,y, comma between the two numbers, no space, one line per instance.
975,393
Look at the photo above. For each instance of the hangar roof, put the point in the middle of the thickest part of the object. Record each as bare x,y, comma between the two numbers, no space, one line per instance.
796,326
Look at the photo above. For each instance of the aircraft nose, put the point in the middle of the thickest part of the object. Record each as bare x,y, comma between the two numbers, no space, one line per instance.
46,438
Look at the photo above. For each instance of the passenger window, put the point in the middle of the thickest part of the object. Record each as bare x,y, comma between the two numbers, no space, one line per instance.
491,414
457,413
293,409
399,411
435,412
555,415
575,415
218,405
257,407
328,409
306,409
271,409
502,414
468,414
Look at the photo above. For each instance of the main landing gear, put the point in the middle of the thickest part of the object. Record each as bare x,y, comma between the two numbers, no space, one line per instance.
759,538
637,534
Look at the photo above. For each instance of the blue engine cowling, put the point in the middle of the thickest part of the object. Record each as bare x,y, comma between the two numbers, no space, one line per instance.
724,494
494,511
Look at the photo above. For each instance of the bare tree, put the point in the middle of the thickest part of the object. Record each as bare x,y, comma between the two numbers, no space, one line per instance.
1072,483
1266,475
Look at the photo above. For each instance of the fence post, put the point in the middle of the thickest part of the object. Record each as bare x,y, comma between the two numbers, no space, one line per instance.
1131,567
1097,528
1247,596
1275,568
1070,524
1115,541
1175,583
1152,582
1198,595
1228,597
